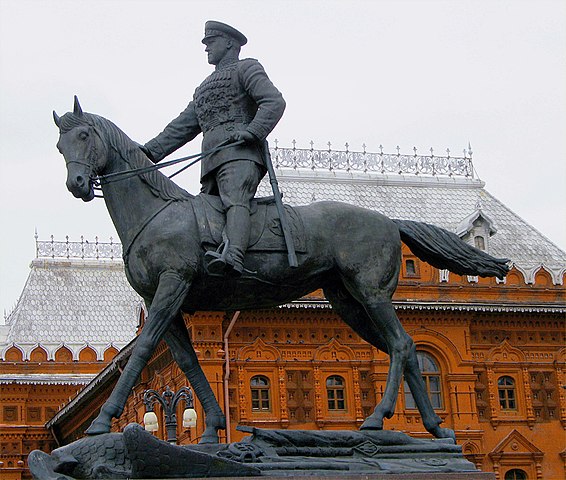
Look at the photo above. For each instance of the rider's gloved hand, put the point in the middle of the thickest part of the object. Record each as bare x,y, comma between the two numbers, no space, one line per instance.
243,135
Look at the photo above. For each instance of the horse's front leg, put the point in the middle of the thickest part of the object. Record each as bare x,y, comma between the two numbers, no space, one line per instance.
166,304
183,352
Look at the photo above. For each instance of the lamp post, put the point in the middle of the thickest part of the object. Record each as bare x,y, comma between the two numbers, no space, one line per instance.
169,401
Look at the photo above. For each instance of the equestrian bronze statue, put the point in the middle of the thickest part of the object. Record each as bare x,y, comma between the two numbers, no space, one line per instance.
353,254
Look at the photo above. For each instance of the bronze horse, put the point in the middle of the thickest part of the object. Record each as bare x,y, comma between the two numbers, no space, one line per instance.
353,254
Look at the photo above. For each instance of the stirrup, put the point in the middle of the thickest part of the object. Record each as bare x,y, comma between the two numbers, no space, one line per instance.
220,266
216,266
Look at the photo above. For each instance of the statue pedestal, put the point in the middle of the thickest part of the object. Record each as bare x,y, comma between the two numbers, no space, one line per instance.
277,454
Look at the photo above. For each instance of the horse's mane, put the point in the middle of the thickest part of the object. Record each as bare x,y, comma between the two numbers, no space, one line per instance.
159,184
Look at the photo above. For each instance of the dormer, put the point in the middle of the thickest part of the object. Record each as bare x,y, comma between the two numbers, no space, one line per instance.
476,229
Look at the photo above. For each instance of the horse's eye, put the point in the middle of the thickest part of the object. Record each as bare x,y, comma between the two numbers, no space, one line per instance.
83,135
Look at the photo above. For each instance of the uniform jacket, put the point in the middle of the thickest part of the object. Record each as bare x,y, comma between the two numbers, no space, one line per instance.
238,96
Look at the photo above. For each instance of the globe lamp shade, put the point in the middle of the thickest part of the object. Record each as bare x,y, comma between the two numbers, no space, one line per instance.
150,422
189,418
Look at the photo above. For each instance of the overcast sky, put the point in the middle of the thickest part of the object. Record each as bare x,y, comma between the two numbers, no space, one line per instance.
409,73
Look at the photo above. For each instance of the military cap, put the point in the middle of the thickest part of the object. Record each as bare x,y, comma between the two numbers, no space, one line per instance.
213,28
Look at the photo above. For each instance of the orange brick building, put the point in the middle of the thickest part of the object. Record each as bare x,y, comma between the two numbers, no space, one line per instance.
492,352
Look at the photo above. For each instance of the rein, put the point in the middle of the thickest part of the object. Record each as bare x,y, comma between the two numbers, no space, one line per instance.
118,176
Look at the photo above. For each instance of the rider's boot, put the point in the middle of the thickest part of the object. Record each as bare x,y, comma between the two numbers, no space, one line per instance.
238,224
237,230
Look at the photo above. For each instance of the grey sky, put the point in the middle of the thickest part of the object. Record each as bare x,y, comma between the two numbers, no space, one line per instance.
408,73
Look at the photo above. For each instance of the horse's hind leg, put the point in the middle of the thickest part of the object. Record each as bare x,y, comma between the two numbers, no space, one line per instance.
354,314
181,348
431,420
382,329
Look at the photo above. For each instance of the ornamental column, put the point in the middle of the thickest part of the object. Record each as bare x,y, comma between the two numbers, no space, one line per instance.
528,398
283,397
357,396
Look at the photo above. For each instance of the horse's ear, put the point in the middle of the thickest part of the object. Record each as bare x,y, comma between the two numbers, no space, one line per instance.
77,110
57,119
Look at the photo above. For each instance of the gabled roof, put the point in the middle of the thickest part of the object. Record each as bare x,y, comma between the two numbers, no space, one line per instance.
443,200
467,224
515,443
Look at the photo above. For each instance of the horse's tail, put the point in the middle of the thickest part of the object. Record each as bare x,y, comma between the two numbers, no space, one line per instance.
445,250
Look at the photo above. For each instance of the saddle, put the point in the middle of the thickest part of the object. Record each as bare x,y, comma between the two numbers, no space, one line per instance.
266,233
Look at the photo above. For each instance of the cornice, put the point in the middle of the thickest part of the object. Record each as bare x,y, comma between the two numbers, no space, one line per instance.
46,379
444,306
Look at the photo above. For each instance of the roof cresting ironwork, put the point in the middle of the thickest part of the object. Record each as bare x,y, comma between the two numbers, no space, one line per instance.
374,162
84,249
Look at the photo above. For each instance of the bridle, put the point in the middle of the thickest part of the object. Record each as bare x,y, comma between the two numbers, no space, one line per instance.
91,160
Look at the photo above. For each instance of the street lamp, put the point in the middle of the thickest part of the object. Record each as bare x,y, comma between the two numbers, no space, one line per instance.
169,401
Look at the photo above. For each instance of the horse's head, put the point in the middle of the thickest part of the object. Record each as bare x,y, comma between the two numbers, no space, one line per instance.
83,149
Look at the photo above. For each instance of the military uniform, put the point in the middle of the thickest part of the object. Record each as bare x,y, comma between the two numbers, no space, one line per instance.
237,96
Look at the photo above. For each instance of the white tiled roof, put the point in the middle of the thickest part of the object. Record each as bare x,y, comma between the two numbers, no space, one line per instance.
445,202
73,302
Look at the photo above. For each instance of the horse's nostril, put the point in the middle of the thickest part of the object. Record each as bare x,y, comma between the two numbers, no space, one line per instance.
80,180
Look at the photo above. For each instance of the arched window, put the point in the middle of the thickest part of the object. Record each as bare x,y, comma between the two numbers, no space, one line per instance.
516,474
507,397
335,391
431,376
261,397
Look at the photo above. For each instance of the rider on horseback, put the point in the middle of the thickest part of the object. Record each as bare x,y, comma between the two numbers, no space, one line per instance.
237,102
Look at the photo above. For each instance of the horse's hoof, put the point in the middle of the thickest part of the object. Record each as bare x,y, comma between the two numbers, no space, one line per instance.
209,437
372,424
217,422
97,427
209,440
101,424
443,433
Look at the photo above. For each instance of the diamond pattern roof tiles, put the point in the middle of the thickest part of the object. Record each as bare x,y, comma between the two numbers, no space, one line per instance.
75,302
